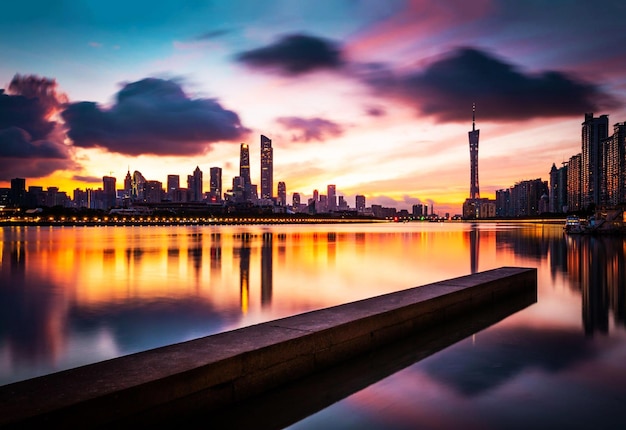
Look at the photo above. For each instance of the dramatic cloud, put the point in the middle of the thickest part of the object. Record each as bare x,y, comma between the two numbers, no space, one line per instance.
447,88
308,129
295,54
88,179
30,142
152,116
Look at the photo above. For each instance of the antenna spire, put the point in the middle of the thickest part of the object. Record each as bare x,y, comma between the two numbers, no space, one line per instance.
473,116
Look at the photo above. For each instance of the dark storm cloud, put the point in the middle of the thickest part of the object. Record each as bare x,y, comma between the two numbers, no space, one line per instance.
30,143
308,129
20,156
447,88
295,54
152,116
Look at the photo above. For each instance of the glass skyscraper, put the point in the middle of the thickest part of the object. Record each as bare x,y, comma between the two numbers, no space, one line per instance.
267,168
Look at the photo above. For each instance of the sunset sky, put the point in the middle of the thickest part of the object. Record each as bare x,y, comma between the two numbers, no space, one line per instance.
372,96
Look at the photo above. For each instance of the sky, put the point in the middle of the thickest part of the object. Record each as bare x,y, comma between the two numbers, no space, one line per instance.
372,96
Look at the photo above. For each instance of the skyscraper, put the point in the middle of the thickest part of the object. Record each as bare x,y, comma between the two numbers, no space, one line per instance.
332,199
359,203
215,191
594,130
108,186
194,183
244,170
173,183
267,168
473,147
282,194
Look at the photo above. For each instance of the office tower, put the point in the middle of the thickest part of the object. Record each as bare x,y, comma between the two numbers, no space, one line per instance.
282,194
594,130
194,184
153,192
173,183
128,185
295,202
473,146
137,186
215,191
267,168
316,195
359,203
244,170
332,199
18,191
108,185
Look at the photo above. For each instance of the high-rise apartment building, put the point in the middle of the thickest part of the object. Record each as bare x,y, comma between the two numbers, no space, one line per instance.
282,194
574,183
558,189
594,131
215,191
267,168
613,167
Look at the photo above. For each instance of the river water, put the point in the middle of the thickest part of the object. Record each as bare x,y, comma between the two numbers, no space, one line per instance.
75,295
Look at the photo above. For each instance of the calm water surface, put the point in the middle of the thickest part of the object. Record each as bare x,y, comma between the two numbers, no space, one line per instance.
75,295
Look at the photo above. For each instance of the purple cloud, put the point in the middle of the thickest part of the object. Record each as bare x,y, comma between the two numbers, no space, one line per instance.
308,129
152,116
30,143
447,88
294,55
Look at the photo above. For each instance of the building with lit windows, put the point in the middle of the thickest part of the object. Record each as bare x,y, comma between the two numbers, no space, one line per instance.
267,166
215,190
282,194
594,131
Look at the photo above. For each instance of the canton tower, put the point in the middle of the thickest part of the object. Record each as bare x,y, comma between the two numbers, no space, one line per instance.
473,147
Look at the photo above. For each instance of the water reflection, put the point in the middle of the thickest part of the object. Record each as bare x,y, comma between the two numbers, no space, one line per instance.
70,296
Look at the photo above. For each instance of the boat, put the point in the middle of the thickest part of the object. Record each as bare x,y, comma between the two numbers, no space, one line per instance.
574,225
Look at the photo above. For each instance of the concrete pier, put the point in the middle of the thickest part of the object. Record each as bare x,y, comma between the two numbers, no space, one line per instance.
216,372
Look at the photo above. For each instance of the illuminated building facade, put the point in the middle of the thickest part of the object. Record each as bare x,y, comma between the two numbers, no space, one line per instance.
267,168
594,131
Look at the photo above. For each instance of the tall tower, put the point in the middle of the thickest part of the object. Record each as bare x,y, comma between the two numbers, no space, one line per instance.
282,194
195,185
594,131
267,168
473,147
216,184
331,192
244,170
108,185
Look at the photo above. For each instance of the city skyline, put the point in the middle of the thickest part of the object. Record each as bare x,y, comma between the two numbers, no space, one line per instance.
377,104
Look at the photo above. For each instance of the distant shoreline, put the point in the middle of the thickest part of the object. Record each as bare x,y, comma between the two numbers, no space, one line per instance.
189,221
